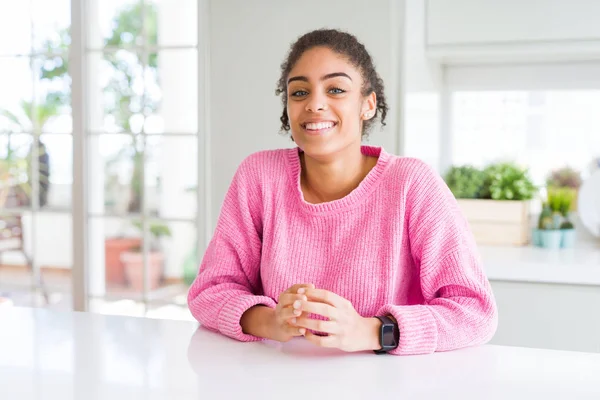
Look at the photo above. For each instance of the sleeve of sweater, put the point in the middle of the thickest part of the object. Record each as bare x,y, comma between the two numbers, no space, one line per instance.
228,281
459,309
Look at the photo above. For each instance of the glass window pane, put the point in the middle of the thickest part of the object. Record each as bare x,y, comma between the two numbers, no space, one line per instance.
115,166
176,22
15,97
115,23
543,130
56,171
171,80
52,111
114,243
51,21
15,259
171,176
15,23
116,92
174,244
54,255
15,172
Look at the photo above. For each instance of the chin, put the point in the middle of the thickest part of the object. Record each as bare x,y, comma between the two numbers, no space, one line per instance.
322,149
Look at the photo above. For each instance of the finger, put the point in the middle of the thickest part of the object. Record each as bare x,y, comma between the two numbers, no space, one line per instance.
290,312
311,307
294,289
287,299
325,296
330,327
322,341
295,330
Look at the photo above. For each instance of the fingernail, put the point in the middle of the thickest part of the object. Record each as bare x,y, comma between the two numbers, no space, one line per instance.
304,298
297,312
297,304
302,331
301,291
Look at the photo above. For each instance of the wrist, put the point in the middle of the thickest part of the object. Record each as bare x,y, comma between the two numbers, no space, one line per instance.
372,332
258,321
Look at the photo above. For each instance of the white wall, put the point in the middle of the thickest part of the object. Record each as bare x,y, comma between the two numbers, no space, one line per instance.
422,90
248,42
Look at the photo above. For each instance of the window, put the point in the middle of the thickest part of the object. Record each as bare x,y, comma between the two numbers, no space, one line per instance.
543,116
543,130
36,161
141,130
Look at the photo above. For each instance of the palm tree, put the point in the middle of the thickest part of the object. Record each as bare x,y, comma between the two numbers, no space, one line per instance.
15,169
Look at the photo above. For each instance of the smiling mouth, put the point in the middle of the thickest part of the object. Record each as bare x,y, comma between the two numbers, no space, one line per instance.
318,127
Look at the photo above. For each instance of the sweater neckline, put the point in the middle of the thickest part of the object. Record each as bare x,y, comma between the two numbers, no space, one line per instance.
354,197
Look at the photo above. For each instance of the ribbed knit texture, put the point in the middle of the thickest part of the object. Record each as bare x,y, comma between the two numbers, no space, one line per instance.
397,245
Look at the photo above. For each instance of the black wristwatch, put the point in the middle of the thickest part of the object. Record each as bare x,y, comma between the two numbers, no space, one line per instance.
389,335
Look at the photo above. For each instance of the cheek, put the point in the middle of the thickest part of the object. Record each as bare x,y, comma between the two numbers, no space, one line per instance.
293,111
350,114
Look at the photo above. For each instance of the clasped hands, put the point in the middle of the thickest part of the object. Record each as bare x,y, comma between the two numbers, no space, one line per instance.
344,327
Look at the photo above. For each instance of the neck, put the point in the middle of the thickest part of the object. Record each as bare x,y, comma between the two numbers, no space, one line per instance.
333,179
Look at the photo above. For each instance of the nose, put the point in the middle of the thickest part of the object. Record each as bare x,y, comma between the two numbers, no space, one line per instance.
316,102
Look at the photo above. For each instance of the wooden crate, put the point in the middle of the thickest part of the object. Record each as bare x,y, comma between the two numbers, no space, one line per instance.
498,222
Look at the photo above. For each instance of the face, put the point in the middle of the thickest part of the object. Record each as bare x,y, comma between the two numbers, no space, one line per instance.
325,105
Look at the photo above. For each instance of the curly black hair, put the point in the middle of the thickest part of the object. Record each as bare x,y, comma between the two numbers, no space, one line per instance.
346,45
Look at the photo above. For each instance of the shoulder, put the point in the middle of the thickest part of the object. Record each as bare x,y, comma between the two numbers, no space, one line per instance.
263,167
412,172
265,159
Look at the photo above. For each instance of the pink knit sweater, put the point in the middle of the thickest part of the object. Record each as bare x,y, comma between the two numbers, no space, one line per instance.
398,244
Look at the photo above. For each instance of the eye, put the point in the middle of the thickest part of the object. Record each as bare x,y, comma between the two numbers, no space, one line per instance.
299,93
336,90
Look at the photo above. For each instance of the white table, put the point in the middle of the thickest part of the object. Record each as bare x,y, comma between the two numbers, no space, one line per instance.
60,356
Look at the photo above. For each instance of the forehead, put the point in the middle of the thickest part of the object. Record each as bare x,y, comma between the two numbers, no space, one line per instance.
319,61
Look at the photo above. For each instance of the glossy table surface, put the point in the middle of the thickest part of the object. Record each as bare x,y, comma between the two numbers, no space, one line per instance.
57,355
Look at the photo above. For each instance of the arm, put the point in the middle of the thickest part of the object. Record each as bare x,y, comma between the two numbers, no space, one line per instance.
228,283
459,309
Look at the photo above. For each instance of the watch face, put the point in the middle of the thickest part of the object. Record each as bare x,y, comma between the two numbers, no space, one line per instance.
388,336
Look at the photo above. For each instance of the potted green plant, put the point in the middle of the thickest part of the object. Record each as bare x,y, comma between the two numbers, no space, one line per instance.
555,229
495,201
465,181
547,234
133,260
565,177
567,197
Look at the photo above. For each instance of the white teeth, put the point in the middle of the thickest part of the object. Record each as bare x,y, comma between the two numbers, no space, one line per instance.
314,126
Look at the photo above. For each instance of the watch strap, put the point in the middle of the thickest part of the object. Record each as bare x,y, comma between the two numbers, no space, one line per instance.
387,321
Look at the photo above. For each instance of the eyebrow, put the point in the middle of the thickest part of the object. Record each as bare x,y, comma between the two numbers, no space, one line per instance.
324,77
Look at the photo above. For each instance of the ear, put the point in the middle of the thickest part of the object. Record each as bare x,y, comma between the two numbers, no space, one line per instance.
369,107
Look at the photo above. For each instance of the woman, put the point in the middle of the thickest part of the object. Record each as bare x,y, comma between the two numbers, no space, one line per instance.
344,244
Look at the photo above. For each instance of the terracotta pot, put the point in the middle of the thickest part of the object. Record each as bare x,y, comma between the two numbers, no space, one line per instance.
134,269
114,270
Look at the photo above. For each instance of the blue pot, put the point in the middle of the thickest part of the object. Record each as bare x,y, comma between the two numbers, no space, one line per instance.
535,237
550,239
568,238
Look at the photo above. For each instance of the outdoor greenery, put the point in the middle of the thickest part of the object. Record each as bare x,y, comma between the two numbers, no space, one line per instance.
32,117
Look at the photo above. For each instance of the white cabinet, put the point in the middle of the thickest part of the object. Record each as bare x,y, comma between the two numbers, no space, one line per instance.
562,29
550,316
